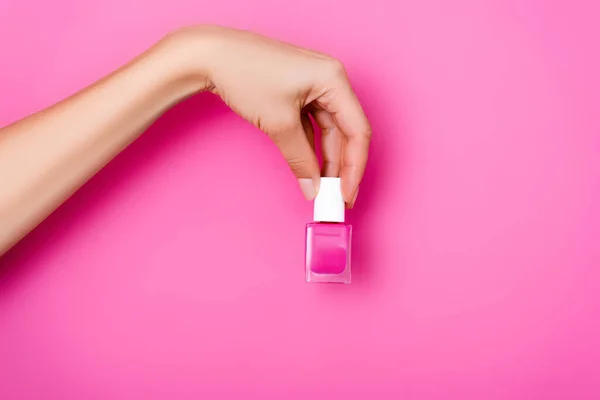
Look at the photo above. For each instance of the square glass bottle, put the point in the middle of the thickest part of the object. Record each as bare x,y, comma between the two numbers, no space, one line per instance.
328,238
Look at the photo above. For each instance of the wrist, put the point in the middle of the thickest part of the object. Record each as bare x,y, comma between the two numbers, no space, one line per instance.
172,70
184,55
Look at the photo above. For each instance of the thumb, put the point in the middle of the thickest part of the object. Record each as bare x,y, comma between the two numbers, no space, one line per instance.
295,146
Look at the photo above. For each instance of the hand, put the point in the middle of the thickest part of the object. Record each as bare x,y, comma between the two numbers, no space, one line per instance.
45,157
276,86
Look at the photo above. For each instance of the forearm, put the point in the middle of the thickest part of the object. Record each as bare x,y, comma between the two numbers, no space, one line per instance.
46,157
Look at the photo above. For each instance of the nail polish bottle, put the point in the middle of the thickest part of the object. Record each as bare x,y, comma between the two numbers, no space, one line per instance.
328,238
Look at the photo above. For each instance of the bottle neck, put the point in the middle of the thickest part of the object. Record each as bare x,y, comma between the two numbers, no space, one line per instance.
331,214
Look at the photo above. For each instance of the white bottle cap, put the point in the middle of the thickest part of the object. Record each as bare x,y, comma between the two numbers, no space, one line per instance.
329,203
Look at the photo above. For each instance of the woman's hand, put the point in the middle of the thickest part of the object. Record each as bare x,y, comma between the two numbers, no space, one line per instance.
45,157
275,86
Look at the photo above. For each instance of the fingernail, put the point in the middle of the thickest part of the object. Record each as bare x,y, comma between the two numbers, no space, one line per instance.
308,188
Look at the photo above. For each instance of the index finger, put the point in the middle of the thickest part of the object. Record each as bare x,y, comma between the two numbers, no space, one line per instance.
341,101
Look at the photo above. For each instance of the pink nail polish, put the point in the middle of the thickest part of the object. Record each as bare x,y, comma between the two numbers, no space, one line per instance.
328,238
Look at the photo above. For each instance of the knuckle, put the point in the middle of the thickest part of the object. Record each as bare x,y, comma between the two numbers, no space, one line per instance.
282,128
278,129
335,69
296,164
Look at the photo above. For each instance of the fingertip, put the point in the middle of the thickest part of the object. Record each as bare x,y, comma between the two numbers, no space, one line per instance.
350,204
350,182
308,187
353,201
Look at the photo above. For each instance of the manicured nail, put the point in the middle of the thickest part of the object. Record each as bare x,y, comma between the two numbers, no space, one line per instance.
308,188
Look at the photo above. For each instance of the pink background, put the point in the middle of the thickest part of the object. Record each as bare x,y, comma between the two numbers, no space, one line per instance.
476,248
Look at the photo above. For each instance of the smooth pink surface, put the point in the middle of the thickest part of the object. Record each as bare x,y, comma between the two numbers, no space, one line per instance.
476,256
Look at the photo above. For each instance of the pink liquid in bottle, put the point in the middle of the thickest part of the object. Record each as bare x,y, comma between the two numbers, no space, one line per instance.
328,252
328,239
